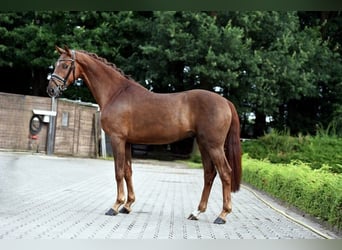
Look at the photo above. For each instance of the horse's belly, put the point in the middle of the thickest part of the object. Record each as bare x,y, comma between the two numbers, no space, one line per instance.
159,135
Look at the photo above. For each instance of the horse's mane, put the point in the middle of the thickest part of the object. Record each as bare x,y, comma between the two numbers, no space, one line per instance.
101,59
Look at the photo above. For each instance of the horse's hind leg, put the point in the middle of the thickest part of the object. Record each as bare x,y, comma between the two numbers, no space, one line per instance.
129,182
224,171
209,176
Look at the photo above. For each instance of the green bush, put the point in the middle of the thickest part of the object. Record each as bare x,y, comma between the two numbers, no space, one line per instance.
316,192
316,151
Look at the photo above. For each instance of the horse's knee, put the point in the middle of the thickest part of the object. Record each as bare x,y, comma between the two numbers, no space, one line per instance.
119,175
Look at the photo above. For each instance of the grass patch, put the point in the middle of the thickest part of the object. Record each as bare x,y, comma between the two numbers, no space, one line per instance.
192,164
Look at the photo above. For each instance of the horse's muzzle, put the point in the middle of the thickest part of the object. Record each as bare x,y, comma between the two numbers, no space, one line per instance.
53,91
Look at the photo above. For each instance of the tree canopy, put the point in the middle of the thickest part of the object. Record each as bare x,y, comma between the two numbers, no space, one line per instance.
284,67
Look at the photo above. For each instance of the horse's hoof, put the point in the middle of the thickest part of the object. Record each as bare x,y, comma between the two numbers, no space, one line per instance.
111,212
192,217
124,210
219,220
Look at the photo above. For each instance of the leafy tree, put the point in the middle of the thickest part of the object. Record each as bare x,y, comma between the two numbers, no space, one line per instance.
286,65
284,69
191,50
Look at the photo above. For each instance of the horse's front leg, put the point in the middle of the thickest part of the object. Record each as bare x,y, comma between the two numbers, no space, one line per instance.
129,182
119,163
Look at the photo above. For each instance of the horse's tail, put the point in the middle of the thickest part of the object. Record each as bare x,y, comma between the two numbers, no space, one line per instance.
232,148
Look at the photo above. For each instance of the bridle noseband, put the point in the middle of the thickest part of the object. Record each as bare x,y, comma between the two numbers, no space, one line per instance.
64,80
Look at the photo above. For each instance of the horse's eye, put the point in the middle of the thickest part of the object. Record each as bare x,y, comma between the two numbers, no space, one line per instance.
65,66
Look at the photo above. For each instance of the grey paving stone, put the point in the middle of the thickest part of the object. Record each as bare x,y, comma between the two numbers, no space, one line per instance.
45,197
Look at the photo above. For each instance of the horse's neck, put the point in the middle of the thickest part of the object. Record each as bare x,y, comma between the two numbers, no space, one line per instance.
103,82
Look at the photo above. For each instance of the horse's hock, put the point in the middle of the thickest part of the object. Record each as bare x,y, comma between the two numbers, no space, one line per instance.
76,131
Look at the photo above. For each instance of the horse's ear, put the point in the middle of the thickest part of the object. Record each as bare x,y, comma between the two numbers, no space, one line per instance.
59,50
67,50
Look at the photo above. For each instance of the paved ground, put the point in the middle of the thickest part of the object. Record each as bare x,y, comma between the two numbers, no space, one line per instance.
45,197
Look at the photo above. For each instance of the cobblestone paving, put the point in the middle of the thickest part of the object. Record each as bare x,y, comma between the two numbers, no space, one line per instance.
45,197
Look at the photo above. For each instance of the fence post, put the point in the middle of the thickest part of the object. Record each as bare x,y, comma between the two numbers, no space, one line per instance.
97,132
52,128
103,144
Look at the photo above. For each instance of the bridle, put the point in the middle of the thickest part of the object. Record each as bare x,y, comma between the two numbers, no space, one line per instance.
55,77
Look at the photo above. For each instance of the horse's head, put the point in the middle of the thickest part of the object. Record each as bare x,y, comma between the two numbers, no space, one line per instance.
64,73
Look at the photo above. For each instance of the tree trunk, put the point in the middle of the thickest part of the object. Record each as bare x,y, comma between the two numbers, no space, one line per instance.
260,124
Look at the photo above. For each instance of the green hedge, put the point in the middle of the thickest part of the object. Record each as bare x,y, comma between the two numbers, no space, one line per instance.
316,192
317,151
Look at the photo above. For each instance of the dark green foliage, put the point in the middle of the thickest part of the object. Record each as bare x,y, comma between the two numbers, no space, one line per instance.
319,151
280,64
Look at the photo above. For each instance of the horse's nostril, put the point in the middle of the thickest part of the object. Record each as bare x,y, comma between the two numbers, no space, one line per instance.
51,92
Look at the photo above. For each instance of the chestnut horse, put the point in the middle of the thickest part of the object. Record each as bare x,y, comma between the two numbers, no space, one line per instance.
132,114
